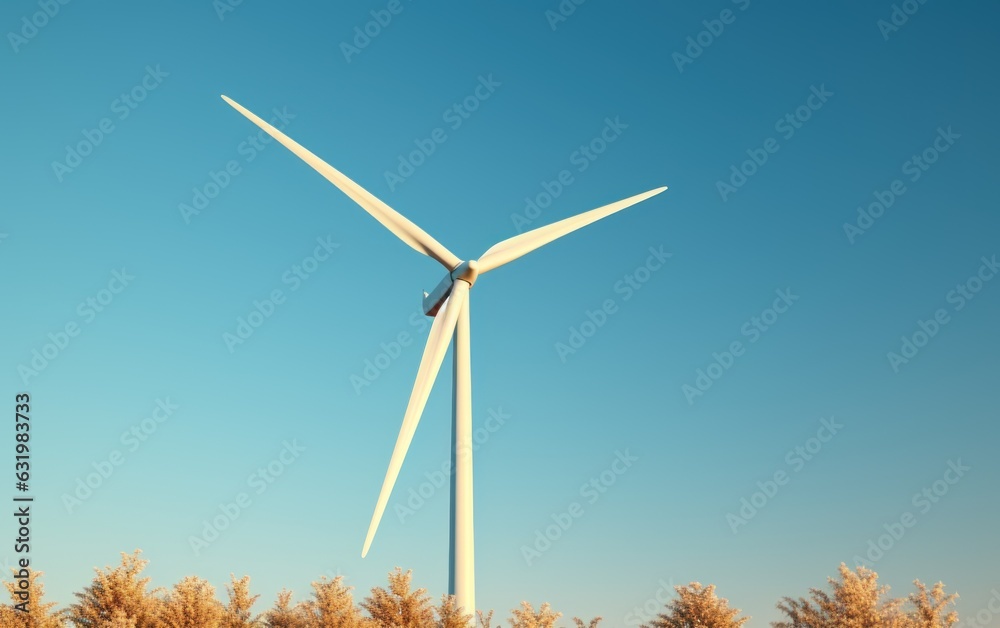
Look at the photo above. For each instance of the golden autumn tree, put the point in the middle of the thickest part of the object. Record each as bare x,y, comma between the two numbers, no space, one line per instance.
237,613
284,615
27,610
856,599
449,615
582,624
332,606
117,598
526,617
399,607
119,619
930,607
485,620
696,605
191,604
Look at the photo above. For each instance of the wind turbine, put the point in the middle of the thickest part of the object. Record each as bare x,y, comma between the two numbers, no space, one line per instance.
448,304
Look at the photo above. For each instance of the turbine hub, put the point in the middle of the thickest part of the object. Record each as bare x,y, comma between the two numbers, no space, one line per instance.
467,272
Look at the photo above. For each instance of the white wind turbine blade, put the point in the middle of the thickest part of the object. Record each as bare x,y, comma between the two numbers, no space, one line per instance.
437,345
390,218
513,248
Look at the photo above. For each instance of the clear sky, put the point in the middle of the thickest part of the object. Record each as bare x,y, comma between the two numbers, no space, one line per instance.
772,126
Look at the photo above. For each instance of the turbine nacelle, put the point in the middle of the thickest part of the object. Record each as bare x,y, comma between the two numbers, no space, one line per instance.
467,271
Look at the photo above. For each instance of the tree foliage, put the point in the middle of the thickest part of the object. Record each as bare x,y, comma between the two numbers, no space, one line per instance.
120,597
191,604
526,617
450,615
696,605
930,608
858,601
119,619
117,597
486,620
399,607
332,606
238,613
284,615
27,610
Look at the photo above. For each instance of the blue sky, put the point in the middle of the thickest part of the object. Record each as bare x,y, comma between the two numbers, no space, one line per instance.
615,100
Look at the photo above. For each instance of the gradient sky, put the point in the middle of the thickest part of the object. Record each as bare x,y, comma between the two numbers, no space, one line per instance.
665,518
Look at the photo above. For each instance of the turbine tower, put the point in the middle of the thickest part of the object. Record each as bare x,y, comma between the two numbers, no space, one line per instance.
448,304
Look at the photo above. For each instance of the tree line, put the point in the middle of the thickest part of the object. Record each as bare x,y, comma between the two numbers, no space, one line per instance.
120,597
